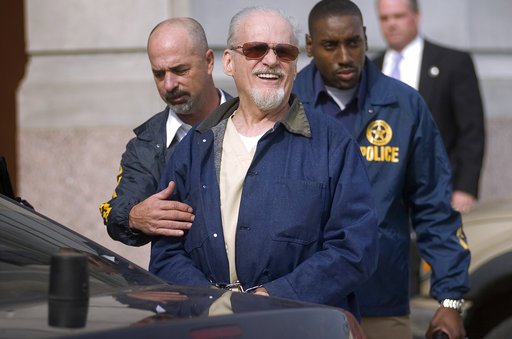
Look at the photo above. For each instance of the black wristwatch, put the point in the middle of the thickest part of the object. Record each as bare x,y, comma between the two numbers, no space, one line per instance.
456,304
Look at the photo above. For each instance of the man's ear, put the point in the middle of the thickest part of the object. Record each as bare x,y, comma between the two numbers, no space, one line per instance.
227,62
309,45
210,60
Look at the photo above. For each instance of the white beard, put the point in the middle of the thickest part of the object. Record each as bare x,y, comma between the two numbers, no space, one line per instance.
266,100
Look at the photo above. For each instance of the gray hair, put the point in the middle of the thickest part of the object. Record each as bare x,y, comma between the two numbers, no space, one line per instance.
238,18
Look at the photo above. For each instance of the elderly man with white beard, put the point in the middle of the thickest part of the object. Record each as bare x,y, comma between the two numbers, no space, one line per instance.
281,197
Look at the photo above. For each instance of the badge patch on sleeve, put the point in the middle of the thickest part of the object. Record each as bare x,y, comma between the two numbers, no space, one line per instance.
105,208
462,238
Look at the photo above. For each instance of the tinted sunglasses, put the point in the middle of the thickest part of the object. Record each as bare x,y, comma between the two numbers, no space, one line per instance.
257,50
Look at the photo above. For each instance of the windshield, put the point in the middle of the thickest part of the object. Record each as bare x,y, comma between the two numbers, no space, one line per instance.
27,242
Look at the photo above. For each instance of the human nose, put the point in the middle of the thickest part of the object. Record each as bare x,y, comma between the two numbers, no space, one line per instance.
390,22
271,57
343,55
170,81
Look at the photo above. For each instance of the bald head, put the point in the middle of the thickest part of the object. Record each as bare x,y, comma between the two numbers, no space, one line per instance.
181,28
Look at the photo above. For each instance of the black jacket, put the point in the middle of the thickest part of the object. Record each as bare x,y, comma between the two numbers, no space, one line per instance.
139,173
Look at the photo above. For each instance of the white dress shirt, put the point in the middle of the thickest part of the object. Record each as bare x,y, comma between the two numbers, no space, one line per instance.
410,65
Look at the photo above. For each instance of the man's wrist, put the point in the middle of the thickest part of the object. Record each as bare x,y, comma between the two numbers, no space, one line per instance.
455,304
130,225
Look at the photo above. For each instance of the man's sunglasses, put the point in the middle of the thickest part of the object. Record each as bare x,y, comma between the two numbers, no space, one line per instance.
257,50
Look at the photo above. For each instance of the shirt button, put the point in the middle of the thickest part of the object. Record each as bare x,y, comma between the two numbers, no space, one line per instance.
204,186
204,140
215,235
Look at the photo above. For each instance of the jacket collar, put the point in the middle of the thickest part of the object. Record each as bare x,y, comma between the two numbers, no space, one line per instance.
295,120
154,128
371,83
378,91
320,90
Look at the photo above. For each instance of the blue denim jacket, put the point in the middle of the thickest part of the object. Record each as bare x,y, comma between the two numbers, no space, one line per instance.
307,226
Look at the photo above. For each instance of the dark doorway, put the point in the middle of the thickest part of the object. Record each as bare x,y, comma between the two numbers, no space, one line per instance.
13,59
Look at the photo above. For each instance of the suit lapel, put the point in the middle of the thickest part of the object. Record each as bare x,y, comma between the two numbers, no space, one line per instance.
428,72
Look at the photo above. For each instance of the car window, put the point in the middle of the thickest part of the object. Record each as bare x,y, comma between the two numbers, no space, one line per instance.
27,242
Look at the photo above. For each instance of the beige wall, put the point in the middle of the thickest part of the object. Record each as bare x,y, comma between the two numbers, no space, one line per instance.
88,83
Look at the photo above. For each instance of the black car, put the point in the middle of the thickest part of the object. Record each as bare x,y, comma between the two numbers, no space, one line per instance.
56,283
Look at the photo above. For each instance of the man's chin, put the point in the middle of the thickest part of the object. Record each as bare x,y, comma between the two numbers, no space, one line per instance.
344,85
267,100
181,108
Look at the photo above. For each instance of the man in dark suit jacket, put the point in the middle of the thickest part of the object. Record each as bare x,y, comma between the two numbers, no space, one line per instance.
447,80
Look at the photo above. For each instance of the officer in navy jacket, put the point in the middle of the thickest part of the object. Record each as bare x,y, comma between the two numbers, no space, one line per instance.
405,158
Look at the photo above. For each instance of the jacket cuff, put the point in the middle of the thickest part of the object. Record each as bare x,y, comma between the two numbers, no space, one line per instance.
281,288
122,229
